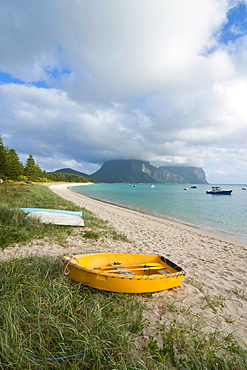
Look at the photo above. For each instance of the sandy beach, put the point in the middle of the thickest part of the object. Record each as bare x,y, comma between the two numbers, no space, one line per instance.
215,284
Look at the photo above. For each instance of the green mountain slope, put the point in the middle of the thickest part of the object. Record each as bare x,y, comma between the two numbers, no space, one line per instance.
72,172
124,171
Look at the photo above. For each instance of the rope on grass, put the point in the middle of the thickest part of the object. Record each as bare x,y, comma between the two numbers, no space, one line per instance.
60,358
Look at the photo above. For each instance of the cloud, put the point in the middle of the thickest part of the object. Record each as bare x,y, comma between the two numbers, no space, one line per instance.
119,47
142,79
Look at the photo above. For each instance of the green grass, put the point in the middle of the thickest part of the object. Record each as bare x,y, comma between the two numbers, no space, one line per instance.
16,228
44,313
239,292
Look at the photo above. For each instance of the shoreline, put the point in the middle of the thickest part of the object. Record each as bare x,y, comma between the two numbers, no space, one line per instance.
215,233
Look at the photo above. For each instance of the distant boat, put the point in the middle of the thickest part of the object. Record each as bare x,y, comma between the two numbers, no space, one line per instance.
152,186
194,187
244,188
186,189
219,190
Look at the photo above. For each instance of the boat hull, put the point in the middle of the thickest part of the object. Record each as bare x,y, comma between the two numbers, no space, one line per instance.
55,218
29,210
221,192
105,272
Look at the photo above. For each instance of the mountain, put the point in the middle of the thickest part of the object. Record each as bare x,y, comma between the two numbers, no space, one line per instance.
72,172
136,171
124,171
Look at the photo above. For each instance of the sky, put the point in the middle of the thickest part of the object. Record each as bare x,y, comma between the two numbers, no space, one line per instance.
87,81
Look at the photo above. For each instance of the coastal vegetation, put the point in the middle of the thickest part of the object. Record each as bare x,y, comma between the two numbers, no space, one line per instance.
12,169
49,322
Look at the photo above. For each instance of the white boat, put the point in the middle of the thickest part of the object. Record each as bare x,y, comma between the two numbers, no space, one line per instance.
244,188
29,210
57,218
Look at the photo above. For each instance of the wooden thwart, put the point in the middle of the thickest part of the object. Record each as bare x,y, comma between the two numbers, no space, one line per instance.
124,269
153,265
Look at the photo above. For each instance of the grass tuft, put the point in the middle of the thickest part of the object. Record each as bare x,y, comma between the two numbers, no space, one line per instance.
239,292
188,344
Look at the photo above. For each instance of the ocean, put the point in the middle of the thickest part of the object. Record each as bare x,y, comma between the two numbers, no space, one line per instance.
225,215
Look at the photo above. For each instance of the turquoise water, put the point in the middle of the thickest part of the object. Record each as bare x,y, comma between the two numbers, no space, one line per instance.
222,214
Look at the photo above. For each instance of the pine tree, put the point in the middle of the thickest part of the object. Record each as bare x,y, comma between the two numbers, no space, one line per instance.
32,169
16,168
4,165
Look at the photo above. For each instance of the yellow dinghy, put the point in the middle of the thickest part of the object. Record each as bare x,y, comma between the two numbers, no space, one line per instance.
124,272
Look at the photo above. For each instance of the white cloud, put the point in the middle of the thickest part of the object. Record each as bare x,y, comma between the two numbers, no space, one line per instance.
144,79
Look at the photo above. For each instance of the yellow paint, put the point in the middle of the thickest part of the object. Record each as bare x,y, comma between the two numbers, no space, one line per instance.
124,272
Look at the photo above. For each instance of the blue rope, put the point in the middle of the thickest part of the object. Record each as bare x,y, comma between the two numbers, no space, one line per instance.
59,358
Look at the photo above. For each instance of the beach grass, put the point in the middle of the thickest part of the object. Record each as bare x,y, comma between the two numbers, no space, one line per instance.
49,322
187,340
16,228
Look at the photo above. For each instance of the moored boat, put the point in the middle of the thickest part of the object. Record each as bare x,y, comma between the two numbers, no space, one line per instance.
219,190
124,272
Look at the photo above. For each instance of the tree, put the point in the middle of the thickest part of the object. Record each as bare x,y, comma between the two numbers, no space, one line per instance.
4,165
16,168
32,169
